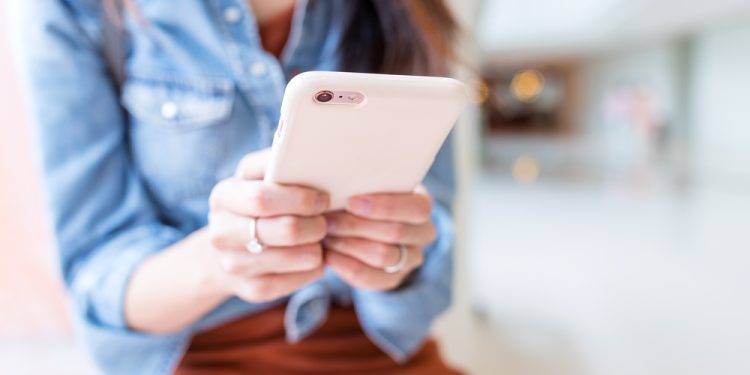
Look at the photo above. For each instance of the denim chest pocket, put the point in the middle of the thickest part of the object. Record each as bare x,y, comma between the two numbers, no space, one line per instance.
178,134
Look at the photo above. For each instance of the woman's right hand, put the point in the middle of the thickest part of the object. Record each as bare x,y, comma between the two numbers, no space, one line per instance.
290,226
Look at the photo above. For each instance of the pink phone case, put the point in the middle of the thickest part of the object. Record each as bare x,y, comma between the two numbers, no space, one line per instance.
386,143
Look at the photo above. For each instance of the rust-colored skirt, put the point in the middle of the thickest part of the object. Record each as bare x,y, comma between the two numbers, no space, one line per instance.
256,345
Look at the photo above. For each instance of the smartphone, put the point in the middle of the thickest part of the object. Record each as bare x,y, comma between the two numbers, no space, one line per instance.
355,133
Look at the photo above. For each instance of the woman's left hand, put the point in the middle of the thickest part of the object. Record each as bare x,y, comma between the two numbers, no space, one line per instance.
367,239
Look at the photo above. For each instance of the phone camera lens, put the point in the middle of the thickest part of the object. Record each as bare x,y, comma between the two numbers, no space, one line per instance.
324,96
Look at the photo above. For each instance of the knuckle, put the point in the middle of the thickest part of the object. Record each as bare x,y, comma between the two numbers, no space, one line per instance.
231,264
345,224
319,228
217,242
396,231
386,207
383,254
308,200
217,238
311,258
291,227
258,199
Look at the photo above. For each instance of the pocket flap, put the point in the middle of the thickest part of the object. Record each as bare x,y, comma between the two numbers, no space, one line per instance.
178,103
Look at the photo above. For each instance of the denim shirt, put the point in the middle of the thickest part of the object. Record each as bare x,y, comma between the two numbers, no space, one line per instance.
200,93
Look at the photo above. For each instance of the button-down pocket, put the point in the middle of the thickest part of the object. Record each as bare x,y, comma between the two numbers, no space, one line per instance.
178,133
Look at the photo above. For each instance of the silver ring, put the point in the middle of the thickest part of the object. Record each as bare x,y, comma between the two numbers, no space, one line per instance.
403,253
254,246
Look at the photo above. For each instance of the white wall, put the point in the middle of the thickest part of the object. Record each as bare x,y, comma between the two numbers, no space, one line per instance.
720,106
623,145
30,293
575,27
454,329
625,279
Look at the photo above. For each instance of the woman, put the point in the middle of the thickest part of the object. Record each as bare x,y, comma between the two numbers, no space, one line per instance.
155,182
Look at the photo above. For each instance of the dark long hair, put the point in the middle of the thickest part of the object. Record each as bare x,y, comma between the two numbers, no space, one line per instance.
398,36
391,36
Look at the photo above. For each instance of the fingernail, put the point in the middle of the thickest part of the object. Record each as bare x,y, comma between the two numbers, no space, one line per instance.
360,206
321,204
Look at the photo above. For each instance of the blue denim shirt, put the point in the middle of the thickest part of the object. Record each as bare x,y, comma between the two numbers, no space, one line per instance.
200,93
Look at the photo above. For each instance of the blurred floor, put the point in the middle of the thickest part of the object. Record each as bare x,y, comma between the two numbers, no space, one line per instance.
581,279
576,279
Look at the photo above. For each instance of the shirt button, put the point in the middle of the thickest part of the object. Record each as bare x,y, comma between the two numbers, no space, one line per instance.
169,110
232,14
258,69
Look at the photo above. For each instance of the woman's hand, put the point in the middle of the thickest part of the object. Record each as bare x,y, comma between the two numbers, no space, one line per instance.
191,277
366,238
289,224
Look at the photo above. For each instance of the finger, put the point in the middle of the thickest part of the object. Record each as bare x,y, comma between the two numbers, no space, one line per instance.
413,208
273,286
360,275
372,253
291,230
375,254
253,165
273,260
231,231
261,199
344,224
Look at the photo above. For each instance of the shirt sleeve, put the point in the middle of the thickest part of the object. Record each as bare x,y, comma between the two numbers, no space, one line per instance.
399,320
103,219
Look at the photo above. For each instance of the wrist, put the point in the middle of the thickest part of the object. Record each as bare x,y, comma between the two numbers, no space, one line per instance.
212,280
174,288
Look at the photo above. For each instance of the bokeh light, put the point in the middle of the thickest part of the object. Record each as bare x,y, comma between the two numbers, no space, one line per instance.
527,85
525,170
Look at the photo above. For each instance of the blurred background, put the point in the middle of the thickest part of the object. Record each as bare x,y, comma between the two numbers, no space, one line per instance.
604,214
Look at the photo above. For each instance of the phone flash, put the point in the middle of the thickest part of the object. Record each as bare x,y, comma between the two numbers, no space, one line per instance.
339,97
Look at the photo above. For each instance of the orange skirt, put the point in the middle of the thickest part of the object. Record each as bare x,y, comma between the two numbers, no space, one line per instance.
256,345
